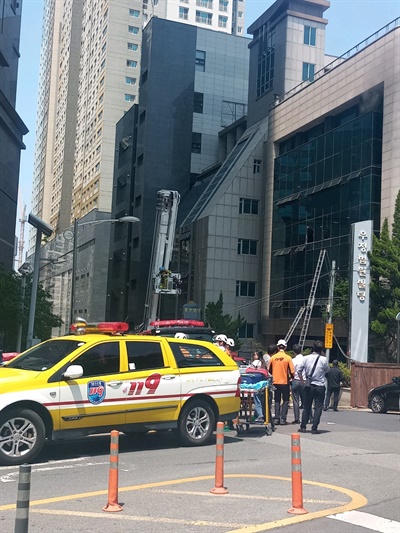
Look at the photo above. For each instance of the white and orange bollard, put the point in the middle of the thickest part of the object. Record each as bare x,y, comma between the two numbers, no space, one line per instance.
112,503
219,462
297,479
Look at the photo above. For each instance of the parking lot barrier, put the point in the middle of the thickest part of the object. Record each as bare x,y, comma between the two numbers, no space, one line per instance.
219,462
23,497
112,503
297,479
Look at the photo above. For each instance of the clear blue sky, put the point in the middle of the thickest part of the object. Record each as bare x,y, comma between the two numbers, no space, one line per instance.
350,22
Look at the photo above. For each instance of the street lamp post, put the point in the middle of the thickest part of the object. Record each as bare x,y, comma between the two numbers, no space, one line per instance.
122,220
41,227
24,270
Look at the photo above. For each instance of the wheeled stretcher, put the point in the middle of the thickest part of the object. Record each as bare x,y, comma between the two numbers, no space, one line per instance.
250,386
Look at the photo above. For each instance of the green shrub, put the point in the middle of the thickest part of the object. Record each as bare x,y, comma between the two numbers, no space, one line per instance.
346,373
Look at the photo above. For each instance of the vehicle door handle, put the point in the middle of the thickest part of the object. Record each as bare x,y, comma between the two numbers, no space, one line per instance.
114,383
168,376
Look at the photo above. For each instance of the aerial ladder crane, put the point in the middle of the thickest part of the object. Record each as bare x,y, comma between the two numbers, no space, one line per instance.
161,279
307,309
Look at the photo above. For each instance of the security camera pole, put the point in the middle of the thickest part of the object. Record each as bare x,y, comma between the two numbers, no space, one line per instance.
41,227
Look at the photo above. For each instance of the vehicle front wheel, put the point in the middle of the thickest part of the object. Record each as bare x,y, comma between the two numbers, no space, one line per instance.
196,423
378,404
22,435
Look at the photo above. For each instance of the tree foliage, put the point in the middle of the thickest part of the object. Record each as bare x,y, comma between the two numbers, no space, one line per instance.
14,311
223,323
385,285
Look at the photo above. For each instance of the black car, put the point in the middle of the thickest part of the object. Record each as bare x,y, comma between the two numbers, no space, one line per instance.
386,397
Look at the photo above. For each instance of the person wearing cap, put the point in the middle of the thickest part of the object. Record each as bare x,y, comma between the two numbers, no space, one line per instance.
229,347
180,335
282,370
334,377
221,341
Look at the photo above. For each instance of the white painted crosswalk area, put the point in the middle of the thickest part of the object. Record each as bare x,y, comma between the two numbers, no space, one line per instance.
369,521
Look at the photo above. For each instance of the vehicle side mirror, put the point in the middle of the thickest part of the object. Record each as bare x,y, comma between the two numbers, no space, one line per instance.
73,372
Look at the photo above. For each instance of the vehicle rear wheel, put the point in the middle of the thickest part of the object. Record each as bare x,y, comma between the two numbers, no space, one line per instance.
378,404
22,436
196,423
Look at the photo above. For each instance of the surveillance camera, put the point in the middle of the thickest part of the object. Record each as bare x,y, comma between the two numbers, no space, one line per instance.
40,224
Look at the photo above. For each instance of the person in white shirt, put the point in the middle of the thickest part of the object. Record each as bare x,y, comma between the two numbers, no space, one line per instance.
297,383
315,366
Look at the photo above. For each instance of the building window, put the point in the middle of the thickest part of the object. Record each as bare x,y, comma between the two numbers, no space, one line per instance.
310,35
223,5
204,3
134,13
240,14
308,72
246,331
183,13
248,206
239,30
256,166
130,81
198,103
246,288
204,18
247,247
130,63
222,21
266,60
133,46
133,29
129,97
200,60
196,143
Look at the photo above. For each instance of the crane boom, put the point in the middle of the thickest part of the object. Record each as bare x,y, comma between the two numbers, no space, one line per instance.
161,280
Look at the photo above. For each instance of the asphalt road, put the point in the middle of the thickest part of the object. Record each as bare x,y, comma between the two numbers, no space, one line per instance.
350,482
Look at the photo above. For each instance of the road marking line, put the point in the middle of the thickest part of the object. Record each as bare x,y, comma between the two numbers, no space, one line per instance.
356,500
137,518
11,477
76,459
246,496
369,521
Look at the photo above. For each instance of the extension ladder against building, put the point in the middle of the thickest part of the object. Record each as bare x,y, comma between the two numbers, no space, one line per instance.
311,298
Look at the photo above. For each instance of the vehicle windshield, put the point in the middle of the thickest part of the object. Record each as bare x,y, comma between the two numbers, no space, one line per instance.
45,355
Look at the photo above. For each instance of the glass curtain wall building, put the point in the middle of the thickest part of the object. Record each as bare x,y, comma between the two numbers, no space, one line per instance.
325,179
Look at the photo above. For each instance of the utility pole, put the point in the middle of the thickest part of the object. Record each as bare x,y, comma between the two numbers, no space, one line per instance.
329,309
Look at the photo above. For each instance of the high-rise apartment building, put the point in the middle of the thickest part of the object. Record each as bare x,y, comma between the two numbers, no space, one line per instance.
12,129
220,15
89,77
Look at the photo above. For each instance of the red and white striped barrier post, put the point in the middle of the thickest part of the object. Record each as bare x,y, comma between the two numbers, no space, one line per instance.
219,462
112,503
297,479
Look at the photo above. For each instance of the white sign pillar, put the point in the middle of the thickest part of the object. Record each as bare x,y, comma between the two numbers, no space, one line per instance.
359,284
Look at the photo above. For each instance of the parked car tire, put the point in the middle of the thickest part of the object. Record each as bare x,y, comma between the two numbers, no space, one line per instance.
22,435
378,404
196,423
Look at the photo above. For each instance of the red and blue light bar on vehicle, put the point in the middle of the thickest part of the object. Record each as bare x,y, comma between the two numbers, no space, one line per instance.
81,327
